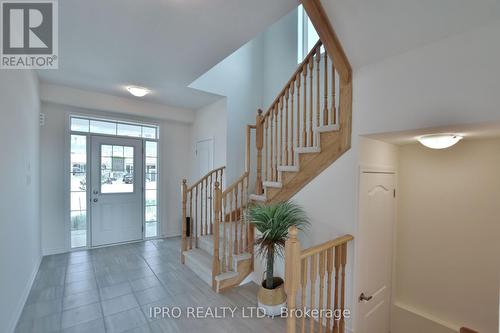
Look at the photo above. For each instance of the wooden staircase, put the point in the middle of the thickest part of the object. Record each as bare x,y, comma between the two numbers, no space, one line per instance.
306,128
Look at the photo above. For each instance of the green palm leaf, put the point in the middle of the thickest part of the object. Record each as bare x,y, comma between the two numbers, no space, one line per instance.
273,221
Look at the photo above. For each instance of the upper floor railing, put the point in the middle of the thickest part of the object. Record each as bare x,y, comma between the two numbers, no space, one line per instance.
319,275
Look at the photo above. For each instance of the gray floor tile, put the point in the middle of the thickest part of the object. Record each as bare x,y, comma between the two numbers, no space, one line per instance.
94,326
47,324
151,295
145,283
124,321
79,287
80,299
81,315
112,289
115,290
119,304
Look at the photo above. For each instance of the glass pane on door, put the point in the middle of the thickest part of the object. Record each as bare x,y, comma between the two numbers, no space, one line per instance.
117,169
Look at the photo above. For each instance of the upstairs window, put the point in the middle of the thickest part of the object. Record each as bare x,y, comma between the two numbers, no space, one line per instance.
307,35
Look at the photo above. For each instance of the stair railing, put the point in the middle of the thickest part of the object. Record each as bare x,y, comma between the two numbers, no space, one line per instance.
303,269
233,235
306,103
197,205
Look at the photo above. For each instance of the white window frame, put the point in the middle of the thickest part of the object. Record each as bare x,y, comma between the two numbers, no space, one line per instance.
303,25
88,135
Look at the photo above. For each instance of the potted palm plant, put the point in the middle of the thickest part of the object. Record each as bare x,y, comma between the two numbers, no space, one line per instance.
272,221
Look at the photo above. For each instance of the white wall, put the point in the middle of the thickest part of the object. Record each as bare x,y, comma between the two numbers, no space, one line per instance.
209,122
438,84
251,78
448,210
174,150
239,78
20,252
279,56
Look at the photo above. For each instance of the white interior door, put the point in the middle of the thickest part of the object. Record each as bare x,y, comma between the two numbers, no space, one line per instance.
205,156
375,247
116,190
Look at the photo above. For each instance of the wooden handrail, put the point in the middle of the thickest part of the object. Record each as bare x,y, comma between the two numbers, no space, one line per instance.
299,70
202,179
325,246
303,268
321,23
235,183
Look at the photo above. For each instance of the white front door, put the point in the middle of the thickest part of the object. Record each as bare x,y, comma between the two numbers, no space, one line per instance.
375,247
116,190
204,156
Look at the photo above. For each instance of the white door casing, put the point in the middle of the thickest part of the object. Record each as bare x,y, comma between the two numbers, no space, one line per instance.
204,156
115,199
375,251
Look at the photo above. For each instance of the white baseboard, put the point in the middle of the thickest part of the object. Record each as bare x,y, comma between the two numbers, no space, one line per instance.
53,251
24,297
406,319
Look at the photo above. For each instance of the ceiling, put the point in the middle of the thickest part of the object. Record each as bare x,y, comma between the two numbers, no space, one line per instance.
163,45
372,30
471,131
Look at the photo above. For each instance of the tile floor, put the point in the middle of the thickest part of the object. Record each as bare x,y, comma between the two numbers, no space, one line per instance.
112,290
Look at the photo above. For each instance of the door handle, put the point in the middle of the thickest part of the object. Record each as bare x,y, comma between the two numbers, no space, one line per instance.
95,200
365,298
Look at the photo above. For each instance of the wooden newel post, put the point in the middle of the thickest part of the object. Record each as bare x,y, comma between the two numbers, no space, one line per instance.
184,219
217,218
292,276
259,142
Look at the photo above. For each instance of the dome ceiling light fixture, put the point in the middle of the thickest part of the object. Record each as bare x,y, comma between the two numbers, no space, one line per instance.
439,141
138,91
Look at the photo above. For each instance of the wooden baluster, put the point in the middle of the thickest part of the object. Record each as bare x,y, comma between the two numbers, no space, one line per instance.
184,221
287,124
343,260
334,111
271,145
304,113
298,110
242,206
266,169
221,174
191,219
321,288
336,294
325,106
293,269
311,110
303,293
216,270
224,232
196,220
318,74
230,242
206,207
259,144
201,208
276,143
329,270
247,225
235,212
281,130
313,274
292,88
211,206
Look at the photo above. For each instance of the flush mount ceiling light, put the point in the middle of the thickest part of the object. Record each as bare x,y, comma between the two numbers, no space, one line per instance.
439,141
138,91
